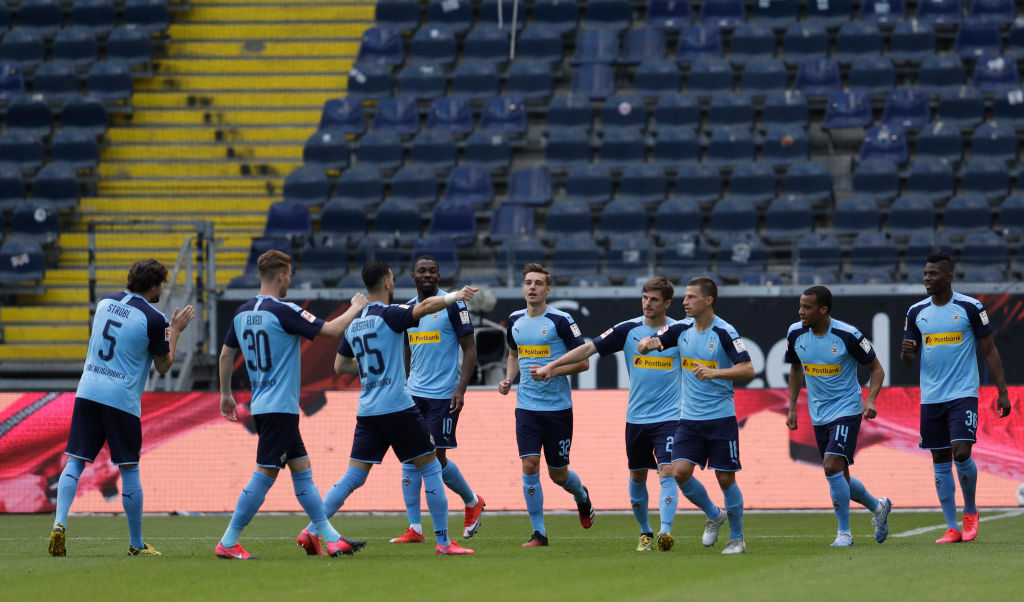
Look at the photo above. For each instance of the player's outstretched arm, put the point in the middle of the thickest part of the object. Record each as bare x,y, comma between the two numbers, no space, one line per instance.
345,365
555,368
995,368
439,302
511,367
179,321
796,382
225,366
741,372
875,380
336,327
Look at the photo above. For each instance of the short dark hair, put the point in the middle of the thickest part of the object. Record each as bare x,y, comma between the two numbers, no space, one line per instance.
822,295
145,274
272,263
425,258
708,288
536,267
374,273
938,257
662,285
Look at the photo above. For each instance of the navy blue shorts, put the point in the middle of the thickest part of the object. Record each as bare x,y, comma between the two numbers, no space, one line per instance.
551,431
839,437
711,443
279,439
440,421
404,431
93,423
943,423
648,446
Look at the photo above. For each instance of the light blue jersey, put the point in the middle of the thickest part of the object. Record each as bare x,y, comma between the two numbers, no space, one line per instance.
376,339
434,345
655,389
127,331
830,368
269,333
719,347
946,337
540,341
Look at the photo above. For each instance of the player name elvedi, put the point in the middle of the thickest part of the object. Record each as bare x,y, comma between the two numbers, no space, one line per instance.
943,338
433,336
690,363
535,351
377,383
105,371
652,363
253,320
119,310
822,369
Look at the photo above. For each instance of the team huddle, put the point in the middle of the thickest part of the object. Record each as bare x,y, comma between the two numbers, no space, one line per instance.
680,412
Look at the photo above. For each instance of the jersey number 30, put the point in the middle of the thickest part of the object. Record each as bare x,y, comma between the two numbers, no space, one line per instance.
258,342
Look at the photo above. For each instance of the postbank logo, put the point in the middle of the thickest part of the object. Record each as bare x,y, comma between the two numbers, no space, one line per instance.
652,362
535,351
822,369
943,338
430,336
690,363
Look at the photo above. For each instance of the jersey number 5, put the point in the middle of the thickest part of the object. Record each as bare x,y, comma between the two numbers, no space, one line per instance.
110,338
361,346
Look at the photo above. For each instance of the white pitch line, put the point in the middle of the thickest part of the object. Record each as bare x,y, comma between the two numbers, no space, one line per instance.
921,530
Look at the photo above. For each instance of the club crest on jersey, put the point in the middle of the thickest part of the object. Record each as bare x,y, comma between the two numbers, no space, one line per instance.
308,316
544,331
435,316
956,316
711,345
835,349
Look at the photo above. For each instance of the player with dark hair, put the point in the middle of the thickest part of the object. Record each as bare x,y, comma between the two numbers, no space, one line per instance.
825,352
373,347
536,336
128,336
712,357
438,387
269,332
945,331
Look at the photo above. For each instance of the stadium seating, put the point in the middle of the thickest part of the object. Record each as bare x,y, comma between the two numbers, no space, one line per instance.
36,221
77,46
530,186
30,115
58,185
21,262
398,114
98,16
12,188
454,221
566,219
591,184
489,149
623,217
644,184
668,14
753,182
883,12
488,45
698,41
326,150
642,45
359,185
932,177
308,185
289,219
471,185
400,220
941,13
56,81
699,183
751,41
966,214
907,108
913,40
415,184
506,114
130,45
855,214
381,149
150,15
511,221
343,223
403,15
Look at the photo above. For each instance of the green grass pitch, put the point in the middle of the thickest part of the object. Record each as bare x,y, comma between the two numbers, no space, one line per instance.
788,558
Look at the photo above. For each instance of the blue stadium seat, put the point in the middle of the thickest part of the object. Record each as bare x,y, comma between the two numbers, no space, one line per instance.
452,115
308,185
643,183
624,111
21,150
396,114
130,44
1008,109
809,181
683,256
569,111
741,256
77,45
788,108
594,81
910,214
995,141
56,81
401,220
942,140
341,222
560,15
753,182
530,186
41,17
908,108
730,217
997,12
628,256
414,184
912,40
323,263
931,177
965,214
985,177
751,41
36,221
540,43
941,13
288,219
422,82
433,46
575,255
776,14
150,15
11,81
785,146
873,256
506,114
614,15
872,74
381,45
676,218
854,214
567,148
515,252
1011,212
818,77
511,221
623,218
726,14
831,14
764,77
920,245
369,81
360,186
24,48
591,184
847,110
1016,39
443,250
819,257
567,219
699,183
375,246
29,114
590,281
857,39
656,78
788,218
475,81
804,41
883,12
530,80
21,262
326,150
469,184
668,14
403,15
344,116
962,106
12,188
620,148
698,41
455,16
596,46
58,185
885,142
454,221
642,45
941,72
677,110
996,74
98,16
674,145
709,77
76,150
976,38
487,44
878,179
489,149
381,149
490,15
